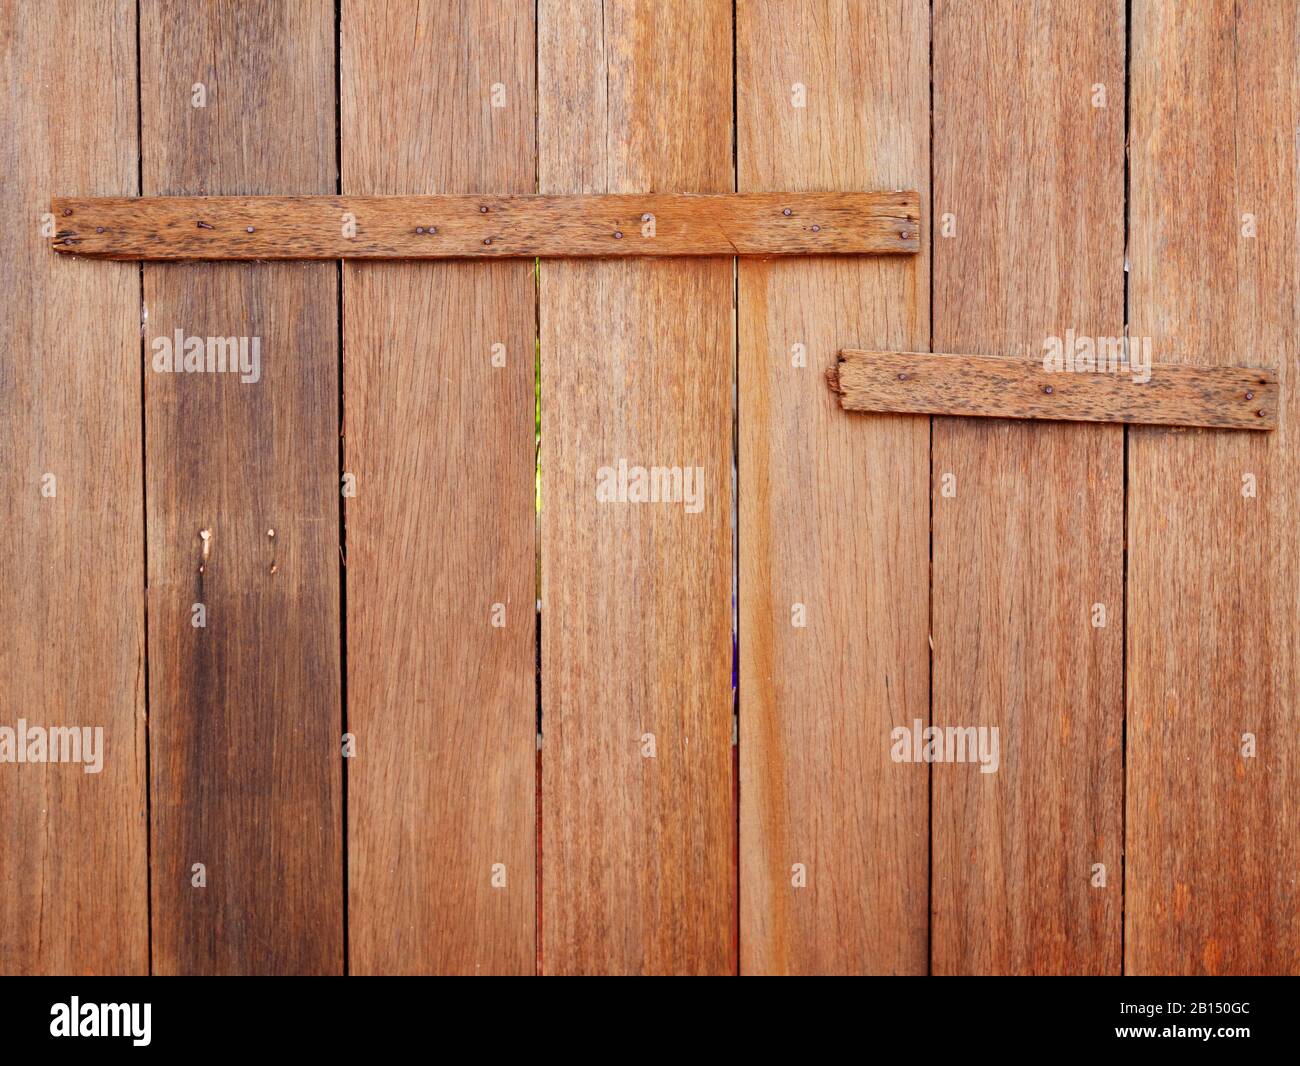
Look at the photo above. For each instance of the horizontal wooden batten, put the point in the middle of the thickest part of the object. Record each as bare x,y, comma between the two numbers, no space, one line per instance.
1176,394
464,227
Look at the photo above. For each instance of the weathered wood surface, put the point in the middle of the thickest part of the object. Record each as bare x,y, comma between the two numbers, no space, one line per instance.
834,510
1214,557
234,489
1173,394
638,365
73,869
242,501
1028,526
482,226
439,434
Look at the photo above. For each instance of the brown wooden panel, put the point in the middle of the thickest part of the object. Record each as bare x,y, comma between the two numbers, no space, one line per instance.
834,510
1031,173
73,873
987,386
245,714
441,441
637,367
1214,572
488,227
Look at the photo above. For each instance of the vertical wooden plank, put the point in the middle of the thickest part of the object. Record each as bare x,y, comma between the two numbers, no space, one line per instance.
1030,167
834,510
637,367
73,874
441,680
1214,570
245,761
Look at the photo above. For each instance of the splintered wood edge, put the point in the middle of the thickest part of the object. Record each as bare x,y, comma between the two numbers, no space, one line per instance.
466,227
1174,394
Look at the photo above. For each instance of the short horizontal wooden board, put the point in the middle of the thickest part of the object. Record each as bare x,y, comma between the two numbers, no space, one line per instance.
459,227
1177,394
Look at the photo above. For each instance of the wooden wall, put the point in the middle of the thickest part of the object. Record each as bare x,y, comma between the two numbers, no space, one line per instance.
368,709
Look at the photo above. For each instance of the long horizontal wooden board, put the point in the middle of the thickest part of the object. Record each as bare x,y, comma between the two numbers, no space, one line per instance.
1176,394
463,227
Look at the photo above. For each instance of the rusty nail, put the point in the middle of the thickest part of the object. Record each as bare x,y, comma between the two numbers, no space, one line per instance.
787,212
905,235
816,229
67,211
1250,395
1048,389
902,377
487,240
202,225
1260,413
483,210
99,229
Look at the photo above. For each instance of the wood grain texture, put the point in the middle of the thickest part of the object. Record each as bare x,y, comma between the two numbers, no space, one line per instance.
473,227
637,365
834,510
1214,574
986,386
441,442
73,873
244,742
1033,537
